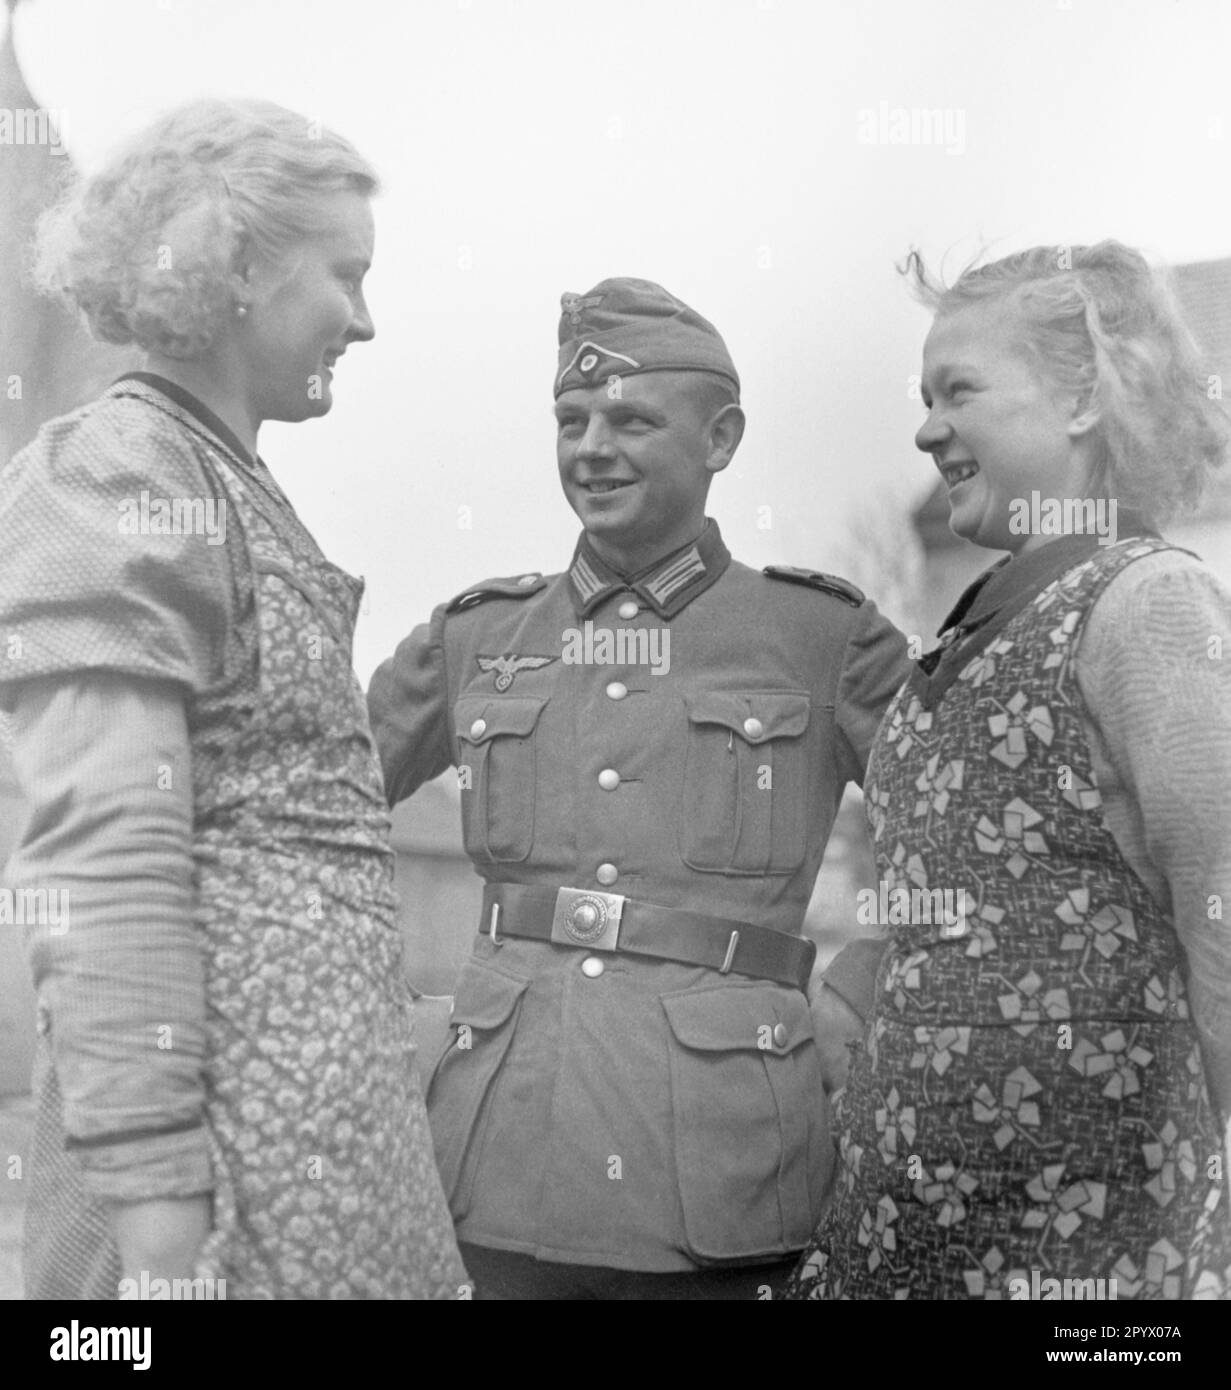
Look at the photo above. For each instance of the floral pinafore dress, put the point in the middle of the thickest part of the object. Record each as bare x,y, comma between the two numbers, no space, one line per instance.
325,1184
1030,1103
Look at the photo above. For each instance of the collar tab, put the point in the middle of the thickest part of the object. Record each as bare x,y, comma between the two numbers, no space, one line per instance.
667,586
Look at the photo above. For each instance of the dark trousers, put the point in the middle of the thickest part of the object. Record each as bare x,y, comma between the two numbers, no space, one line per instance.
504,1274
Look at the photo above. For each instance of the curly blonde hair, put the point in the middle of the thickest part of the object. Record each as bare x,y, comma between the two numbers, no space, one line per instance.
146,248
1102,325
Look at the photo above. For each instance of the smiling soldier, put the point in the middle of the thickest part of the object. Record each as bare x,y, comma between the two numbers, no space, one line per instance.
632,1101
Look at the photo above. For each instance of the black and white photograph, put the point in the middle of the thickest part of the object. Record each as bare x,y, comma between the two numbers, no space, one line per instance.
615,660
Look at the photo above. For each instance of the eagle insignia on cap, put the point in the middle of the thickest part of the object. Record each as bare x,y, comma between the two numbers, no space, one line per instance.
507,667
574,306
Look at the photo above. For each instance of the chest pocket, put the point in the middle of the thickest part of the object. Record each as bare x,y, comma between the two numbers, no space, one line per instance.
745,798
495,738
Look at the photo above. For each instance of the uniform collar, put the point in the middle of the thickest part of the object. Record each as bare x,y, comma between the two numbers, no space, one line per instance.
667,586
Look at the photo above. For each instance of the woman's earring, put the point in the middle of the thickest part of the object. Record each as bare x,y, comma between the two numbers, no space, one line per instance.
241,311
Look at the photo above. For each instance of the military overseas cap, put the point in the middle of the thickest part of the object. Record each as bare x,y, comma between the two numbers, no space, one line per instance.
625,326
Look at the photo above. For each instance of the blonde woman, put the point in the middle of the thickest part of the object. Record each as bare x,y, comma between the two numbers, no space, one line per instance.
1046,1082
226,1085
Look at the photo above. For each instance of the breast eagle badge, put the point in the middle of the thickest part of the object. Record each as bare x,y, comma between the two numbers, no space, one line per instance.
507,667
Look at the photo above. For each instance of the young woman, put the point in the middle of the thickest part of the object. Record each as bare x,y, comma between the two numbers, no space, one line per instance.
1046,1079
226,1087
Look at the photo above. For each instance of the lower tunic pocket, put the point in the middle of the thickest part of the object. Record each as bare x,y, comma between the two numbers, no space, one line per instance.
753,1153
484,1017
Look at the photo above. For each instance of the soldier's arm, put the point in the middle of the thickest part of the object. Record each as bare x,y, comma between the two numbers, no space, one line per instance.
834,1026
874,665
408,702
840,998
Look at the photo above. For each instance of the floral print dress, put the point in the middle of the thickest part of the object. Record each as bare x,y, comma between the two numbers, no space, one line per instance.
1031,1101
324,1180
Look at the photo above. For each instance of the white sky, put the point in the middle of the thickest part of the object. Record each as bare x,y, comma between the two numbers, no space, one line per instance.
535,146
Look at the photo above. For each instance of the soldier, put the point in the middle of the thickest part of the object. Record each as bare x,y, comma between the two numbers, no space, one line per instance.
652,747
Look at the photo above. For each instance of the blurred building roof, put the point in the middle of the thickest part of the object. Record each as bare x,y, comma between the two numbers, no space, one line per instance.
48,363
1203,289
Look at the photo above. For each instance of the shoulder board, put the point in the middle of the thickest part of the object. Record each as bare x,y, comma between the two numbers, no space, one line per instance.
827,583
519,586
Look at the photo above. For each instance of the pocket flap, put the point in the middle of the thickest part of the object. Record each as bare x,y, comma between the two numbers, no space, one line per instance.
483,717
485,998
755,715
730,1018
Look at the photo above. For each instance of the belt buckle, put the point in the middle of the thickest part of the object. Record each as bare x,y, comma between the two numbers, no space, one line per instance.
584,917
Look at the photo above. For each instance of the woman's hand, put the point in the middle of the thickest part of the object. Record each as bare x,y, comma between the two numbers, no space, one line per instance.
162,1236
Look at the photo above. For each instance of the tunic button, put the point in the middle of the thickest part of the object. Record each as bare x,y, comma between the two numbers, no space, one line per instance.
609,779
779,1034
617,690
628,609
606,874
478,728
753,728
592,967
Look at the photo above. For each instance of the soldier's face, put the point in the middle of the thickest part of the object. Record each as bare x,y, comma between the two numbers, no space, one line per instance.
996,429
636,458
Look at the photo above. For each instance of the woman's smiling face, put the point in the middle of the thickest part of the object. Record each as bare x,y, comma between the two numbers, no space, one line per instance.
306,311
996,428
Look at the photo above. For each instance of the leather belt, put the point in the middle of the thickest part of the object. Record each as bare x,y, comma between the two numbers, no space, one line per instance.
596,921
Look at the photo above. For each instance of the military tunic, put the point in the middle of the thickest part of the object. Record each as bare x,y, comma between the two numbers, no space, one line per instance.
611,1109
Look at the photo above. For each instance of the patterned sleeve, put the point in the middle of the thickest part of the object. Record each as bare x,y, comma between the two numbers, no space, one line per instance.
112,553
1155,670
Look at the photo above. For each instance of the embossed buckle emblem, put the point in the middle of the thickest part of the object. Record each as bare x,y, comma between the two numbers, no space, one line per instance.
586,917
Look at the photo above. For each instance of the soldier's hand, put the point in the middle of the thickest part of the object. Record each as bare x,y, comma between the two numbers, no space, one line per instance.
834,1025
